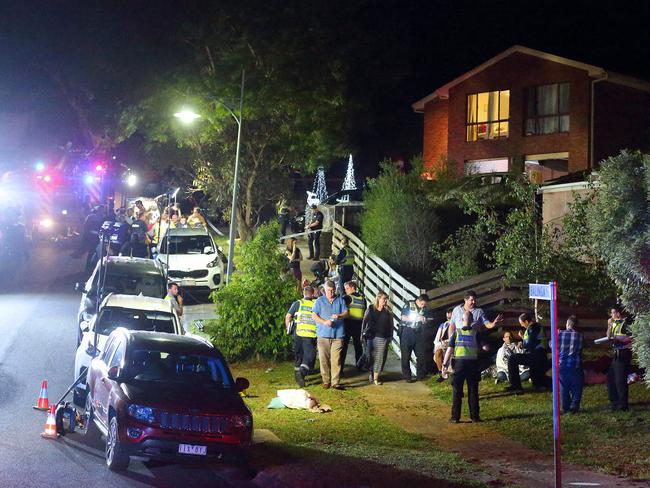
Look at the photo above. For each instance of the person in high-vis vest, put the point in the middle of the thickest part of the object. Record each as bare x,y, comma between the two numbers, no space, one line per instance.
534,356
302,327
352,324
344,261
464,347
618,332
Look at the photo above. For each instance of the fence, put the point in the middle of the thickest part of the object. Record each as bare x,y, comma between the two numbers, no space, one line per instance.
375,275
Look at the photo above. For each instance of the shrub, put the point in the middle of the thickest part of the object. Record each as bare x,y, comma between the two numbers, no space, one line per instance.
251,308
459,255
399,224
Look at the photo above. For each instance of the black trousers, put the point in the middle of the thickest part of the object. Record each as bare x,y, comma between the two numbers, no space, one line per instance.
283,220
413,340
352,330
314,245
304,351
465,371
345,274
617,389
536,361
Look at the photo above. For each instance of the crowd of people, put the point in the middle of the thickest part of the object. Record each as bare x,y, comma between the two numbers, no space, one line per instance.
333,313
133,230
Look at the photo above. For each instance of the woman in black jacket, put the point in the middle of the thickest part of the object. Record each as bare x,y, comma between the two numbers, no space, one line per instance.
377,331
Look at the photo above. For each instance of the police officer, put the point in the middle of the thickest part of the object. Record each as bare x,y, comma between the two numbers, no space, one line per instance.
137,246
618,332
463,345
352,325
413,337
345,264
283,215
301,325
534,356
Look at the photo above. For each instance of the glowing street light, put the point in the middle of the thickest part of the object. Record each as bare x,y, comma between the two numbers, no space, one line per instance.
187,116
131,180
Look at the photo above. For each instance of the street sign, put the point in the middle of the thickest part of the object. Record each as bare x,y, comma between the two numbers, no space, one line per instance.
540,291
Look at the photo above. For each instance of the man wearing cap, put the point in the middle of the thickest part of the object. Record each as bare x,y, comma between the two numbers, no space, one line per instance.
314,228
413,335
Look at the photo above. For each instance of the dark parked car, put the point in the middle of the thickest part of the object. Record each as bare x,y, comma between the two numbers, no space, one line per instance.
166,397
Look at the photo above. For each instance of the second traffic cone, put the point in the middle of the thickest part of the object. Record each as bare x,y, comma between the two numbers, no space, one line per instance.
43,402
50,424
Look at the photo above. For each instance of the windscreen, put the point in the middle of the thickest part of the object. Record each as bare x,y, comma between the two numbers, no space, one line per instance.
111,318
149,285
185,244
174,367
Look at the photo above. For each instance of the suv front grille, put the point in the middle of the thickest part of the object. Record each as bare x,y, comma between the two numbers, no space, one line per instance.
193,423
197,273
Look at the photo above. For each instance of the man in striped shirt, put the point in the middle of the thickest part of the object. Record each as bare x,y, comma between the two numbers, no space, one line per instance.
569,343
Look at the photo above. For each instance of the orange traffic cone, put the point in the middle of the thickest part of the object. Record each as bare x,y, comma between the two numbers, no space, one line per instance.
43,402
50,424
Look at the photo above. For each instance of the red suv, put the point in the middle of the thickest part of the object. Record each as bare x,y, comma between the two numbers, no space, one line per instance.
167,397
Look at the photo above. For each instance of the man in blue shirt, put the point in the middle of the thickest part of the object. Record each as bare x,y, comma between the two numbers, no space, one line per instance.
569,346
328,312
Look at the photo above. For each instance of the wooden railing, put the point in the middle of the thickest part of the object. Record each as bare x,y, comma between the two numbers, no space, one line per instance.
375,275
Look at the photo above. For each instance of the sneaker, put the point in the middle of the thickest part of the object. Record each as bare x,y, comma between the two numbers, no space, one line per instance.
326,386
454,421
299,378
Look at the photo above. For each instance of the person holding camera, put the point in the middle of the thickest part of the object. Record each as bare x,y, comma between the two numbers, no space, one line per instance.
414,337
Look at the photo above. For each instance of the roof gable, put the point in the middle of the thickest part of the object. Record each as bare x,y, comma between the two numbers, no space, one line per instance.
593,71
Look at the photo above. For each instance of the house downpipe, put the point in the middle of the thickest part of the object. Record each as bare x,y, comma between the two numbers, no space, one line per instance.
591,125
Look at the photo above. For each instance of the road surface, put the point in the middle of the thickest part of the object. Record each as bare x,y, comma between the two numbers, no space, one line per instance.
38,341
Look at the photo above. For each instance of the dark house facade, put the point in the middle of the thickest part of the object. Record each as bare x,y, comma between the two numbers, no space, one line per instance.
527,110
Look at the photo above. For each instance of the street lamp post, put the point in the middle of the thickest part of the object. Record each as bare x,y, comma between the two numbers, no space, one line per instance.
188,116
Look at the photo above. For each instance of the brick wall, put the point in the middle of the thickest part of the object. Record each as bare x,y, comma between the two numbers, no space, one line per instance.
435,133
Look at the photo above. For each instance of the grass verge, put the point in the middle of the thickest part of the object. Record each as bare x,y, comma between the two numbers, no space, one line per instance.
611,442
352,430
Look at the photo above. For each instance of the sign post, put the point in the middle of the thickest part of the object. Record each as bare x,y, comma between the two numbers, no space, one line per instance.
549,292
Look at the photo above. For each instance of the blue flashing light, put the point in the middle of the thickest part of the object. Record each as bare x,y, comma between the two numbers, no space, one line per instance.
39,166
89,179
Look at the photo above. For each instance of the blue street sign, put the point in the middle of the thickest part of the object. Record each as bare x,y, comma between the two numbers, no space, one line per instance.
540,291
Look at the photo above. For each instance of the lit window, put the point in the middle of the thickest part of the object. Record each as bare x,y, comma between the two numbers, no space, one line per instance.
487,115
547,109
481,166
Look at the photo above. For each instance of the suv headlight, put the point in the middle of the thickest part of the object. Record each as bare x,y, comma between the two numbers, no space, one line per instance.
214,263
142,414
241,421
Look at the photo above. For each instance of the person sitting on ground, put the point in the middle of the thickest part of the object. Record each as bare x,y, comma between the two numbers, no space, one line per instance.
377,332
196,219
441,342
534,356
570,359
509,348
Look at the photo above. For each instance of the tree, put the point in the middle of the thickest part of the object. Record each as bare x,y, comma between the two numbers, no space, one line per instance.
294,109
398,223
252,307
617,231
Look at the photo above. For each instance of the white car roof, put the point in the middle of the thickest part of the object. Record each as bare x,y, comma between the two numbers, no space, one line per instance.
188,231
137,302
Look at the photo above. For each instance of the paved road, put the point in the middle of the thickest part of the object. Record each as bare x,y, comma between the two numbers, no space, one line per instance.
37,341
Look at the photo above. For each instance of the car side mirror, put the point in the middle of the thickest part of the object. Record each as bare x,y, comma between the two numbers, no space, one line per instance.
208,250
114,373
242,384
80,287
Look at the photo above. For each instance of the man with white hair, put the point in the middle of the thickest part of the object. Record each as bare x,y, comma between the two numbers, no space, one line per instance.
328,312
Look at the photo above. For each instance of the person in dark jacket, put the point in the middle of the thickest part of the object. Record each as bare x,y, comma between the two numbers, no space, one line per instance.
344,261
377,331
534,356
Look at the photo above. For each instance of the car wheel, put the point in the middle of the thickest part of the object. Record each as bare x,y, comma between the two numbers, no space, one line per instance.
116,457
79,397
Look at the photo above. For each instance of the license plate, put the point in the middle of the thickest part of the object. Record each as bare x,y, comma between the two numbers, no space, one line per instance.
188,282
191,449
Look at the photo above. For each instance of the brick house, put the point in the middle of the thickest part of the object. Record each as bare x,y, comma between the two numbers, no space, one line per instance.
527,110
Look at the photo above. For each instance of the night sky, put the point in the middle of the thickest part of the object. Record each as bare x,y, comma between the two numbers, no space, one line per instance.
417,45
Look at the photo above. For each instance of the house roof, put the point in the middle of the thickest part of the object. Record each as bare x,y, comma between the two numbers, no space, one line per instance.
593,71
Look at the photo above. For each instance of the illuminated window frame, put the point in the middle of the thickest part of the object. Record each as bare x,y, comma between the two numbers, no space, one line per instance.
473,130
